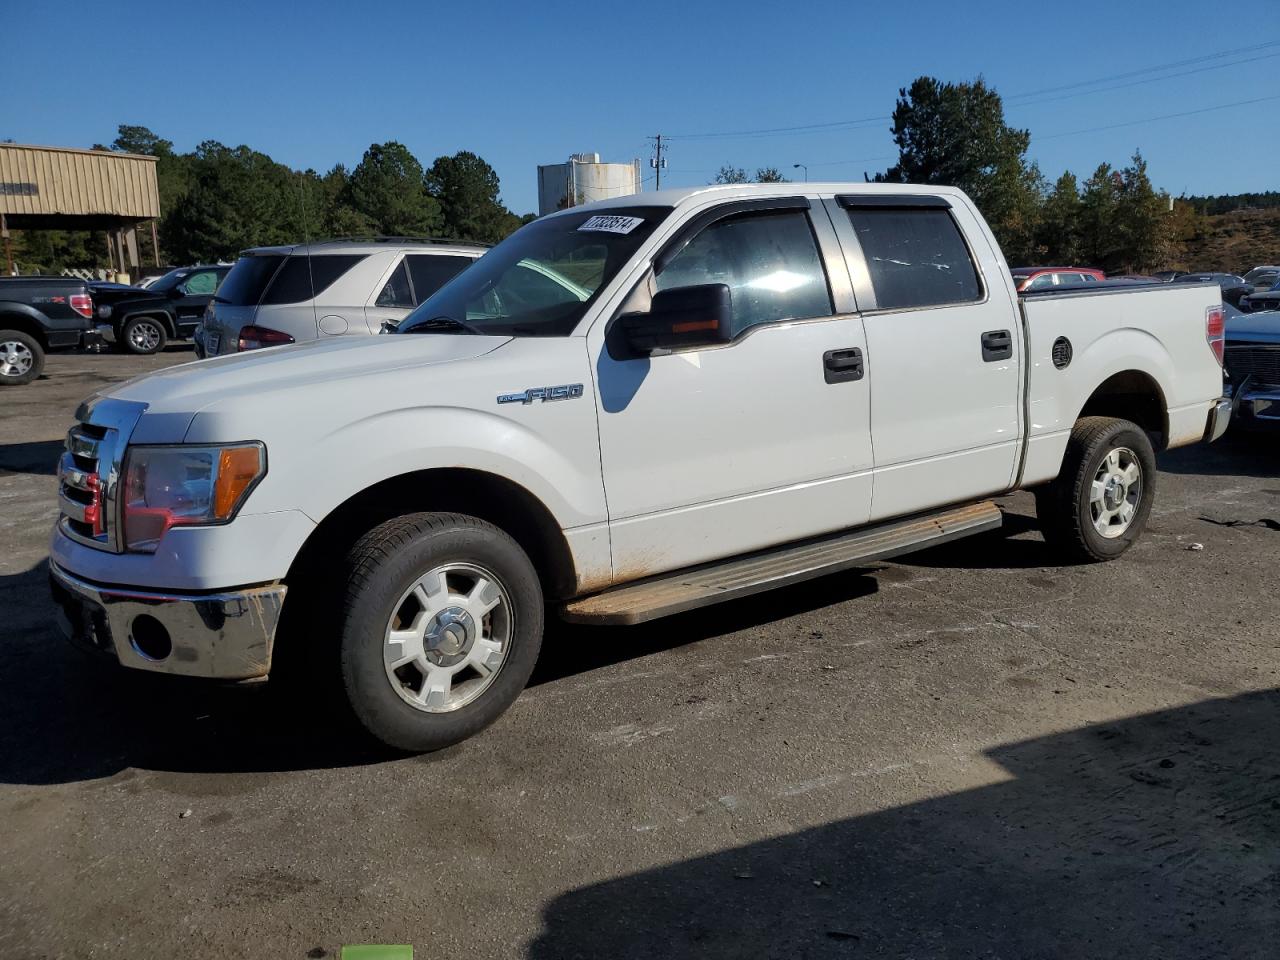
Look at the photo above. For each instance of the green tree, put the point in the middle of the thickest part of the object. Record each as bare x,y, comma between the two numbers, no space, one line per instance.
731,174
238,198
1059,234
770,175
955,134
1142,221
467,190
388,189
1098,235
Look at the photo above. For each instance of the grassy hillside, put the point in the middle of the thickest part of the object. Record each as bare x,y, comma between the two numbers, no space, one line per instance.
1232,242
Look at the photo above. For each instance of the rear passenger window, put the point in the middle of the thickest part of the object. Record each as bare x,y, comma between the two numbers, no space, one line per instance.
1042,282
294,283
431,272
396,292
769,260
916,257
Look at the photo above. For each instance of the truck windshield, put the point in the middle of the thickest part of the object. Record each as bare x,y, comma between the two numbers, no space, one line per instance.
540,281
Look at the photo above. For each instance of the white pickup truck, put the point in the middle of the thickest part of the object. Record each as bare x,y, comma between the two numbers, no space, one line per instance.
625,410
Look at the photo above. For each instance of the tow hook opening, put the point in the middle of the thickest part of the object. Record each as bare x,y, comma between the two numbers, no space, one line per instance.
149,637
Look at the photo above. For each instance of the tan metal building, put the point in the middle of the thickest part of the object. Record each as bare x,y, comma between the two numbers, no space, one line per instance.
56,188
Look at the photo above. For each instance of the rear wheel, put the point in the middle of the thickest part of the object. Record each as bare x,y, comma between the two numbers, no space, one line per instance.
21,358
441,627
143,335
1098,506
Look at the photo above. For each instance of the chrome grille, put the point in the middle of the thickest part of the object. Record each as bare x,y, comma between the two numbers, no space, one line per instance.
80,486
89,471
1262,363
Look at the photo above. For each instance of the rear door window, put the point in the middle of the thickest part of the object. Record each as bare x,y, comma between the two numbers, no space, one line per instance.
396,291
247,279
430,272
1042,282
303,277
917,257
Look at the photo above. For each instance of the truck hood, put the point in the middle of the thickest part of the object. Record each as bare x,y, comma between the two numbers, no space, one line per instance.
1263,327
176,394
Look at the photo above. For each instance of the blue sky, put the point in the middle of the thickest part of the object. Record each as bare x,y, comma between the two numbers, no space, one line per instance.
523,83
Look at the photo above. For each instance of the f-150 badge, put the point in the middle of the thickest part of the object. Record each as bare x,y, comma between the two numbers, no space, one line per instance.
565,391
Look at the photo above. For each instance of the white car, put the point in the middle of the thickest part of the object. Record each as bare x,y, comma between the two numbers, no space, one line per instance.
624,410
279,295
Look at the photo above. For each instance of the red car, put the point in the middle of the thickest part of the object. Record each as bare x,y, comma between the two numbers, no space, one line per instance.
1044,278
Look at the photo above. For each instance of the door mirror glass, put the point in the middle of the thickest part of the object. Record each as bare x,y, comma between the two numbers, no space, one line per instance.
681,317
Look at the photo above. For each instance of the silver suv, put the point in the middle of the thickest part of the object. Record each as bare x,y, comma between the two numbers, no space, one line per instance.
277,295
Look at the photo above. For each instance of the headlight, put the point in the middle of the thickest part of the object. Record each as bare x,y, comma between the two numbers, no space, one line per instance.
184,486
104,311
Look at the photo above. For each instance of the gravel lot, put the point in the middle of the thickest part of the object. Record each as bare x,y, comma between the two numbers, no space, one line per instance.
972,752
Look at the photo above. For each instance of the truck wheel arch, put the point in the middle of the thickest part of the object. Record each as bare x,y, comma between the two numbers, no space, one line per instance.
1132,395
24,322
490,497
162,315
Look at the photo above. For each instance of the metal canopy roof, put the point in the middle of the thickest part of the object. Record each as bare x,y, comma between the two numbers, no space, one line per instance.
42,186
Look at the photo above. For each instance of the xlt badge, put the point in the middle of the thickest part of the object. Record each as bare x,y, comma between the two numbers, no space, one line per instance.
565,391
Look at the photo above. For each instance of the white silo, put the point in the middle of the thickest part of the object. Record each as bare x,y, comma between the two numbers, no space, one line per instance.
584,179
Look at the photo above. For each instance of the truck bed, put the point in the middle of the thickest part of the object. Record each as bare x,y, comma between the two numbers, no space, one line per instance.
1110,332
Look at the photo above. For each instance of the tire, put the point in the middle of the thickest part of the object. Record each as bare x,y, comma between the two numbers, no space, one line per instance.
21,358
1094,511
143,335
487,657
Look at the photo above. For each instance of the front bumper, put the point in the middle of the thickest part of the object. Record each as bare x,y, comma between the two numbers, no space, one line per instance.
1255,404
227,635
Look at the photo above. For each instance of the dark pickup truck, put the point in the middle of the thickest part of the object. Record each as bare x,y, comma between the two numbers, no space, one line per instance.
142,321
38,314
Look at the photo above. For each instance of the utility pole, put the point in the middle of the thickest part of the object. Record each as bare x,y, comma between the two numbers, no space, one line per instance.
658,162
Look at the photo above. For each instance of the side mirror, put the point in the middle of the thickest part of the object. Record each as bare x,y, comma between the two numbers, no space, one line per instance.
681,317
179,291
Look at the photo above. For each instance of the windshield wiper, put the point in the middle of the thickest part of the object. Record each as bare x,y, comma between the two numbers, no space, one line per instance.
439,325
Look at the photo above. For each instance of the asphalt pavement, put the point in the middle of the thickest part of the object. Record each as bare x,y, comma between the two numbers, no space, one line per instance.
973,752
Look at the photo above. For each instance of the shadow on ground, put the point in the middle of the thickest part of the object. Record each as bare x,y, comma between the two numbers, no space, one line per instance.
38,457
1241,453
66,716
1155,836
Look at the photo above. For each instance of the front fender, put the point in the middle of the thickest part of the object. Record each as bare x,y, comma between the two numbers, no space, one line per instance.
558,466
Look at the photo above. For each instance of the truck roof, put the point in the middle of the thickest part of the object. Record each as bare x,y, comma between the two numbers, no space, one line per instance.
682,195
370,245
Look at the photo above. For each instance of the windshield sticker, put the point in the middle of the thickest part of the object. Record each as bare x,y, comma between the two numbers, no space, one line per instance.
612,224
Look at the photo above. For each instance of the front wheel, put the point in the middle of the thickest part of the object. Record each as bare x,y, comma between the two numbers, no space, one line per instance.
442,623
1098,506
143,335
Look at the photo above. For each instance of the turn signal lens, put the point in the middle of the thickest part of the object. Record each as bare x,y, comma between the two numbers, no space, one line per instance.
238,468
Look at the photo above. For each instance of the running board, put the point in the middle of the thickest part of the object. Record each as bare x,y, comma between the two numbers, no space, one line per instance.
701,586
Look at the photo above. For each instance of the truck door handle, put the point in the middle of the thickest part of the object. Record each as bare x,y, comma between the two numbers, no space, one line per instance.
839,366
996,345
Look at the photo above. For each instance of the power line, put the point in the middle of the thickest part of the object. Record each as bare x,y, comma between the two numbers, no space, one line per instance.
1235,51
1135,83
1027,96
1167,116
